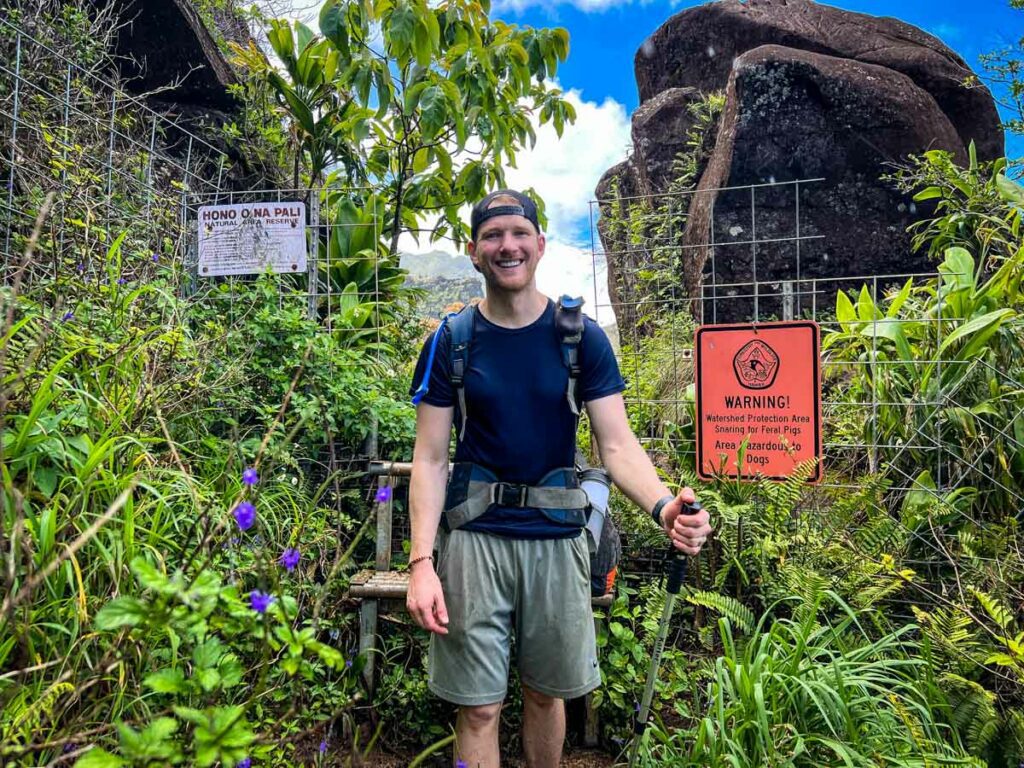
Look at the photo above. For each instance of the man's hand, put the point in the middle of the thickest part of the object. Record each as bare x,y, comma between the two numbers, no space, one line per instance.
425,599
687,531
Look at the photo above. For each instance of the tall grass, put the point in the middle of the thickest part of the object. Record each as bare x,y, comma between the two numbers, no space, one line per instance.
808,692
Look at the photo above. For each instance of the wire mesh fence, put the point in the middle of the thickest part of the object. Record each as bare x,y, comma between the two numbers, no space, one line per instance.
917,410
110,161
116,184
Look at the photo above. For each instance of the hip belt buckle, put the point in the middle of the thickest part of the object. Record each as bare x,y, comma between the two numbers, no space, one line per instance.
509,494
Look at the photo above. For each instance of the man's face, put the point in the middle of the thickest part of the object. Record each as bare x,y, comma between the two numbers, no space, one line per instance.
507,251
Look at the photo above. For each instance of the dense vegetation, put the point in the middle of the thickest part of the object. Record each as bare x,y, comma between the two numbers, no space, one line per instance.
183,490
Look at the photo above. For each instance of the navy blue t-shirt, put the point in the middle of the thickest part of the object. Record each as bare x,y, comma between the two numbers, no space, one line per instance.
519,423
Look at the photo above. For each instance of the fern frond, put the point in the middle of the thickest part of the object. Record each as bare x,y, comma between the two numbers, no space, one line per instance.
884,586
1013,739
737,613
783,497
996,610
28,720
973,711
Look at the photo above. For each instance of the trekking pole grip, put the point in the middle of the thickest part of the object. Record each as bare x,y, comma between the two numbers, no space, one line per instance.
677,568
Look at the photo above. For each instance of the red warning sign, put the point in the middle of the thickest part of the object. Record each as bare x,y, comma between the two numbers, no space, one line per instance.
758,386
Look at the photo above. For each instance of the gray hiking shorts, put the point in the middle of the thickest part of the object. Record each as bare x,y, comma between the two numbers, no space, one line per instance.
495,587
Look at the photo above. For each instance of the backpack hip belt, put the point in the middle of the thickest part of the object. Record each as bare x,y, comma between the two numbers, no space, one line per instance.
473,489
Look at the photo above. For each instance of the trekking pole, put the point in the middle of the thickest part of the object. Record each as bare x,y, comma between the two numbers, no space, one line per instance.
676,577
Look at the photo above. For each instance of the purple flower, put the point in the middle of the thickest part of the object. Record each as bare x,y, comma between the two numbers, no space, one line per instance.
348,663
383,495
323,746
245,515
249,477
260,601
68,316
121,281
70,747
290,558
245,762
460,763
80,268
156,257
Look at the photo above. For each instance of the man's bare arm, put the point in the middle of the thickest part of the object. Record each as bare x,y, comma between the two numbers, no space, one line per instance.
622,455
633,473
425,600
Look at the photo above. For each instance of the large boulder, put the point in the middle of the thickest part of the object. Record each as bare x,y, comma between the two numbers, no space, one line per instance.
696,48
164,45
794,115
660,127
811,93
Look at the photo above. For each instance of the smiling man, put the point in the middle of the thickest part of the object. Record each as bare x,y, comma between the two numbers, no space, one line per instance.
512,560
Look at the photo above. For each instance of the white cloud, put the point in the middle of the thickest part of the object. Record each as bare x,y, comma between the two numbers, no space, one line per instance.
565,172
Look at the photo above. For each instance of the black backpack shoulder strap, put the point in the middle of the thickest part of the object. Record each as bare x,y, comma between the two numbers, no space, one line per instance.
569,325
461,329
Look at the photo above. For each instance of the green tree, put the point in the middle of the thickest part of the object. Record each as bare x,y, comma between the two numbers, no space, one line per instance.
426,103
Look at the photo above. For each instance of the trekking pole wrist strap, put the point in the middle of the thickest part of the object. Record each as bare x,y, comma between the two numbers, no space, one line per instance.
658,506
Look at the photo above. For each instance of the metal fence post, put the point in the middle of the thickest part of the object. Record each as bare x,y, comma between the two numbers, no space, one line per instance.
787,299
312,265
753,252
14,146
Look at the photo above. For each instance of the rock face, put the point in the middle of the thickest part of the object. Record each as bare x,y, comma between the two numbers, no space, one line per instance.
164,44
811,92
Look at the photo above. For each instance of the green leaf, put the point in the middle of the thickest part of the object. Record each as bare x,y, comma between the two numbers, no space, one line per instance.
333,26
959,264
900,298
299,110
981,328
167,681
303,36
207,655
1010,190
330,656
866,309
928,193
45,479
421,45
421,160
151,578
209,679
433,111
401,29
121,612
231,671
845,312
99,758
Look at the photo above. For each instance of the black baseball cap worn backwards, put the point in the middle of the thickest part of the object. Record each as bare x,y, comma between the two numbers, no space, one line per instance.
482,212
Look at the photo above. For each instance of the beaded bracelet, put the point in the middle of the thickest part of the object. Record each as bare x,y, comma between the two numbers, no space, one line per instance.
419,560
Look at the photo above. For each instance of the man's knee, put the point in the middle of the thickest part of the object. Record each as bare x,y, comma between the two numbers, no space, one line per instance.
537,700
481,718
